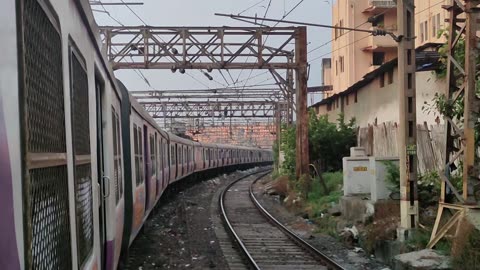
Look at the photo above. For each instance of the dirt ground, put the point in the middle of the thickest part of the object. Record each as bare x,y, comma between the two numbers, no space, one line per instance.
179,235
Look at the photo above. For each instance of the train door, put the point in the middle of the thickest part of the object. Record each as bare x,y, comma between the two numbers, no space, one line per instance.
159,172
101,168
146,172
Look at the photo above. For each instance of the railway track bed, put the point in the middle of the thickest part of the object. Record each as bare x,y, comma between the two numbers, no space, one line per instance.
264,242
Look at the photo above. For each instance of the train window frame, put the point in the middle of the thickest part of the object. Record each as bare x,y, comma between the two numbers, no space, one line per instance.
141,149
80,159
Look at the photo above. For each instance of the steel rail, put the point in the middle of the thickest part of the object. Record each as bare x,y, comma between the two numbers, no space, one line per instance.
318,255
331,264
229,227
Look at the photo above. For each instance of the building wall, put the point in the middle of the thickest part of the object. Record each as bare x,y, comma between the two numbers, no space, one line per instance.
431,14
355,49
377,104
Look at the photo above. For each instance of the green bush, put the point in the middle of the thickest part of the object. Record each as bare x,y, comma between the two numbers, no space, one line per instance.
328,143
318,200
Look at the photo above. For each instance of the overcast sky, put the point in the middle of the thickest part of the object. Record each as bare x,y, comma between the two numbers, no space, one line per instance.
201,13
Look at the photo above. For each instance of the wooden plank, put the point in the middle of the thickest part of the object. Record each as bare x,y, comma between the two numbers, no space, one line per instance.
455,218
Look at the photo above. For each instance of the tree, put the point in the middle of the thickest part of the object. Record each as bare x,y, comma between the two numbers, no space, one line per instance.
328,143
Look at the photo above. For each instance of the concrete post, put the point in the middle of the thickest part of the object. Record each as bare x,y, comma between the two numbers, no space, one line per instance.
407,133
302,155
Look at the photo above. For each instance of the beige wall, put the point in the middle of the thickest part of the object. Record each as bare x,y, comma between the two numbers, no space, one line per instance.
375,104
356,48
431,13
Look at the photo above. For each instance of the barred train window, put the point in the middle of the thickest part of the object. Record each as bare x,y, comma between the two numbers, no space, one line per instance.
135,155
81,150
117,156
140,157
47,236
152,154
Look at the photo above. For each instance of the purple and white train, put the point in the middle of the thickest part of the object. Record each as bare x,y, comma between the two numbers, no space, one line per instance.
81,163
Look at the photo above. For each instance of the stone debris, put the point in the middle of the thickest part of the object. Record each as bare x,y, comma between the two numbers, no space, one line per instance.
426,259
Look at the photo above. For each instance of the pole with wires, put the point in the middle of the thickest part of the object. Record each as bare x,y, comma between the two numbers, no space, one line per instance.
302,154
407,131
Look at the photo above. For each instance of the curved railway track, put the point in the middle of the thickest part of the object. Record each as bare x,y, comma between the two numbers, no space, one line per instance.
264,242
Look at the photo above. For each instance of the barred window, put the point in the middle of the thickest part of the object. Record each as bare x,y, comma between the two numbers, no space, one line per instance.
47,215
117,156
81,150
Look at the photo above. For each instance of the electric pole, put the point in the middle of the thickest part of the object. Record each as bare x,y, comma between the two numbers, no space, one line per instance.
407,133
302,155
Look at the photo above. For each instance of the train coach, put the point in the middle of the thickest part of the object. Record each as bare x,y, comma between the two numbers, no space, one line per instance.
82,165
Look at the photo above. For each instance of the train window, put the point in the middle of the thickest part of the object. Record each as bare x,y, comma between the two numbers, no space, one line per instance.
42,101
82,153
153,158
179,152
140,155
135,154
165,152
117,156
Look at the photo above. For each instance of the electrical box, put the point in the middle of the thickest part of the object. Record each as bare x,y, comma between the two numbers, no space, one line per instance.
365,176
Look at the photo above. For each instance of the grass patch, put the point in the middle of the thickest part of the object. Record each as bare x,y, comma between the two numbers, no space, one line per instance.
319,200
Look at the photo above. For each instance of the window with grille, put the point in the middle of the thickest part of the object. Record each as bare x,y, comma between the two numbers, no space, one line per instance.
172,155
138,154
117,156
47,215
82,154
141,164
153,159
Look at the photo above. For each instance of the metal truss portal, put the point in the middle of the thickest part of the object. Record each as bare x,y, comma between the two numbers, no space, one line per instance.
209,48
268,94
209,109
199,47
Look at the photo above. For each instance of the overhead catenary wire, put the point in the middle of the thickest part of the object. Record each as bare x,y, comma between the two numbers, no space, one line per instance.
266,39
252,6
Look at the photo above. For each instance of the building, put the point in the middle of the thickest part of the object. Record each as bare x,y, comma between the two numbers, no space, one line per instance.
430,20
373,99
373,102
355,54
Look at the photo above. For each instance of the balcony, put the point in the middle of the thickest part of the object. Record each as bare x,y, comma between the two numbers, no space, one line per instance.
379,5
382,4
381,43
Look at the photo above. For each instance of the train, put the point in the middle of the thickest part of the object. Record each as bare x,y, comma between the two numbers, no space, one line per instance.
82,164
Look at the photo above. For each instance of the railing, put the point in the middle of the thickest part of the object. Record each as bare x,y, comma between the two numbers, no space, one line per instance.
382,4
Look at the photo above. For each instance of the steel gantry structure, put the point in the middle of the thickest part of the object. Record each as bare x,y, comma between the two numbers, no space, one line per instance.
222,48
210,108
460,133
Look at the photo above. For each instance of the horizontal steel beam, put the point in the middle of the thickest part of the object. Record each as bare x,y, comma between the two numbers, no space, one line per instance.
147,47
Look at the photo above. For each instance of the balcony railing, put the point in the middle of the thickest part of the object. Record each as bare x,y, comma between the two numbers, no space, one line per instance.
383,4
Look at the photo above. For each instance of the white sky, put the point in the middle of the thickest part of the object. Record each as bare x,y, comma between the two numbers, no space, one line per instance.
201,13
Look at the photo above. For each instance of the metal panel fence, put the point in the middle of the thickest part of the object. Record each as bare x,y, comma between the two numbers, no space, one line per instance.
381,141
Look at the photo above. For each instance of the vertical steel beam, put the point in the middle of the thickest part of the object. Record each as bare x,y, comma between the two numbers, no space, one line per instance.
302,155
290,103
407,133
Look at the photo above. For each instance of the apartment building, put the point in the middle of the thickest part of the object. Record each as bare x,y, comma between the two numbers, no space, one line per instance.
430,20
355,54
